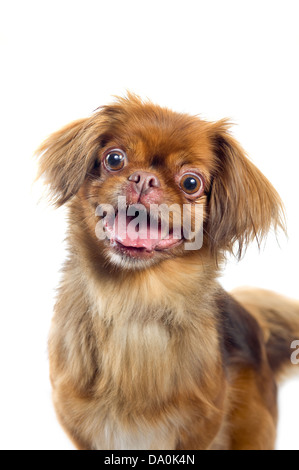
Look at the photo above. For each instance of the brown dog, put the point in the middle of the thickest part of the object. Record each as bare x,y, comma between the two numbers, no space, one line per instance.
146,349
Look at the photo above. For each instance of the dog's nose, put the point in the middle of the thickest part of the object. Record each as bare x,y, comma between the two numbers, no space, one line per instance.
144,182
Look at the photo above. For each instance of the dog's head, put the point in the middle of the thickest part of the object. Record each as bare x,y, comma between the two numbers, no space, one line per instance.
145,184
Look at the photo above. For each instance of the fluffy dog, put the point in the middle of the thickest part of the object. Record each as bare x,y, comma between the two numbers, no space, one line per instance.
146,349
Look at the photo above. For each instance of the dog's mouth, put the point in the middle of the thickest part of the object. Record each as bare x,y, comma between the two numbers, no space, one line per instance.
141,237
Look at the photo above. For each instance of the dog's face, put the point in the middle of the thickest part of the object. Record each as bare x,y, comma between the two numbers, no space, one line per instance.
147,160
123,167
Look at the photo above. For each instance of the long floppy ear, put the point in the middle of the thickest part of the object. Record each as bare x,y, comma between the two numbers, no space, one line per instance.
65,158
243,205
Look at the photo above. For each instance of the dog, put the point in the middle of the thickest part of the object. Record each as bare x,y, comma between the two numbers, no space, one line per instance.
146,349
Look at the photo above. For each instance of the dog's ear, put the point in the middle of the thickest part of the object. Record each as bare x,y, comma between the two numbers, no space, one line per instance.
65,158
242,203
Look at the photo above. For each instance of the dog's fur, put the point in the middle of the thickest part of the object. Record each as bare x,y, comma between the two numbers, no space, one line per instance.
153,354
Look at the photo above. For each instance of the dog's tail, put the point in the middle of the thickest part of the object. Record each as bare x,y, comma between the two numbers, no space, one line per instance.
279,318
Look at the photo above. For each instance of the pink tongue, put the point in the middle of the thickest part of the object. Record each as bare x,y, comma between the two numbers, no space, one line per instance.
130,234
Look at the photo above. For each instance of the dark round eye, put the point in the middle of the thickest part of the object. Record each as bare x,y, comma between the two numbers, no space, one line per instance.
115,160
191,183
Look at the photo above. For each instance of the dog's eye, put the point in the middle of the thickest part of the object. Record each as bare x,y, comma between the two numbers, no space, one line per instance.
114,160
192,184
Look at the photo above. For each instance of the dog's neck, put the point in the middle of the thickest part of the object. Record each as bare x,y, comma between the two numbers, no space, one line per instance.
151,325
163,289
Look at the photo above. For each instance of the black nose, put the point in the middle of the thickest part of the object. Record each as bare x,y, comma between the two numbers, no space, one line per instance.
144,181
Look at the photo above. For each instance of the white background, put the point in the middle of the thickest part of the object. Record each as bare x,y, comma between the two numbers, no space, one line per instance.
62,59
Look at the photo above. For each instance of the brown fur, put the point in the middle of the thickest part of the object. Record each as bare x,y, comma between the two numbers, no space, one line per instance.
160,357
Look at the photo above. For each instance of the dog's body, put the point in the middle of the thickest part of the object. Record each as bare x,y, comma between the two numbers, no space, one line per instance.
146,349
